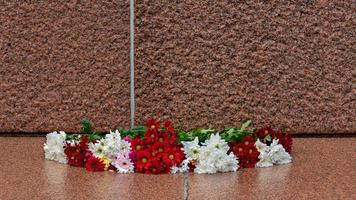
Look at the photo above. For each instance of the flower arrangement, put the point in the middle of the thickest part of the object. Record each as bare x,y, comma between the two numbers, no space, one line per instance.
156,149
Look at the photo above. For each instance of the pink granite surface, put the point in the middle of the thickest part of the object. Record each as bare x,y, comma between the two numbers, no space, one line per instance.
322,168
61,61
216,63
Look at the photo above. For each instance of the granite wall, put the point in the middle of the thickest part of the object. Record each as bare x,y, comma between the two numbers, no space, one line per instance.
62,61
216,63
199,62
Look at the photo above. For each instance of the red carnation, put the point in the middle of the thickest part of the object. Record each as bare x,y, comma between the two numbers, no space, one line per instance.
152,124
94,164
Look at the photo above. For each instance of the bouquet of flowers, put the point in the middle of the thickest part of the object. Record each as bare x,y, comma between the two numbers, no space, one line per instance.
156,149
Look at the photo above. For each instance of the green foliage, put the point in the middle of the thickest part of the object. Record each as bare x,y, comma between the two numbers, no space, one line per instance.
202,134
72,136
87,128
132,133
228,134
231,134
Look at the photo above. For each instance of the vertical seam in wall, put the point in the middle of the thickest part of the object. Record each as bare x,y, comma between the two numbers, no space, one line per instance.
132,63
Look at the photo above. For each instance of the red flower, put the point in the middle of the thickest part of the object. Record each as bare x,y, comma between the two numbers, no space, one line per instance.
159,148
156,152
78,154
173,156
285,139
247,140
263,132
246,151
137,144
168,125
156,167
192,165
94,164
150,136
238,149
143,160
247,163
252,153
287,142
152,124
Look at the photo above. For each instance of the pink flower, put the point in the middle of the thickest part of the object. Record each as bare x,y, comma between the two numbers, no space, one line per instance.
123,163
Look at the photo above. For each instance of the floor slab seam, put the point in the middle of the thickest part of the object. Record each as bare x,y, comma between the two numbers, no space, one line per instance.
185,186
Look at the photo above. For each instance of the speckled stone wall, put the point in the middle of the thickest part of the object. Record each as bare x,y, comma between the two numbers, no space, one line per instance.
61,61
216,63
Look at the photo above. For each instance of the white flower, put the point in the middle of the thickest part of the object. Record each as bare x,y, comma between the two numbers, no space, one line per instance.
98,149
183,166
273,154
192,149
205,167
264,160
278,154
110,146
54,147
115,149
211,157
215,142
113,136
261,147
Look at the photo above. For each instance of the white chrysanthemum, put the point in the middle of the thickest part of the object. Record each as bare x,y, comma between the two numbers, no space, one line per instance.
273,154
228,163
98,149
192,149
116,149
113,136
183,167
261,147
212,156
215,142
264,160
278,154
205,167
54,147
110,146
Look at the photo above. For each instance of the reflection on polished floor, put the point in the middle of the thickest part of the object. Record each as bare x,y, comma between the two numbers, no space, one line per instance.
322,168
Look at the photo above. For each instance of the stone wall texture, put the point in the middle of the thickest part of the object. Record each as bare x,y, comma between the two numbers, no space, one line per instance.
215,63
201,63
62,61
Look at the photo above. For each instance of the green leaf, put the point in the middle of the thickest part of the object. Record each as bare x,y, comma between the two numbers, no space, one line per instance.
86,126
72,136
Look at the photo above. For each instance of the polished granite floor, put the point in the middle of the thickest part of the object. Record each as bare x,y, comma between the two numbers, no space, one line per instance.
323,168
